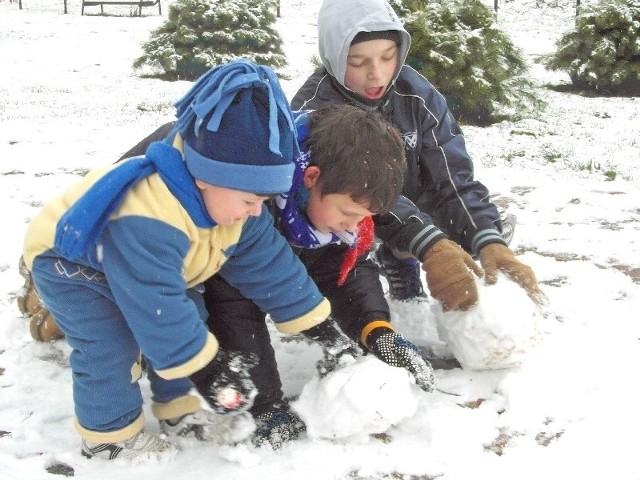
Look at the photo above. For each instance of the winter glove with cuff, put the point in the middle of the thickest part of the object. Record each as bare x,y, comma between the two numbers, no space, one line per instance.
395,350
336,346
495,256
449,275
225,382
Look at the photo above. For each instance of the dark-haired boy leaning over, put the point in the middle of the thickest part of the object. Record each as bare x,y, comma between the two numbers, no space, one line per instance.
347,180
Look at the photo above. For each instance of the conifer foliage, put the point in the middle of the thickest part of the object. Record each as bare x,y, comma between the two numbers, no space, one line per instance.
603,52
199,34
457,46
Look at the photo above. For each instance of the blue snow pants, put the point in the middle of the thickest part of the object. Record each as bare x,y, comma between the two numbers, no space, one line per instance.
105,360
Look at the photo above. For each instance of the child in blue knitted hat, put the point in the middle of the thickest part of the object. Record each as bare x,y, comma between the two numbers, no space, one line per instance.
119,257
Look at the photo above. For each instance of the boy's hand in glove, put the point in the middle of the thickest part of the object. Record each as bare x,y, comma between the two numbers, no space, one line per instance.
395,350
336,346
225,382
496,256
449,275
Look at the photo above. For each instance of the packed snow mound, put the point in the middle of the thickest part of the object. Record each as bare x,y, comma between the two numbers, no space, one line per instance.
500,332
363,398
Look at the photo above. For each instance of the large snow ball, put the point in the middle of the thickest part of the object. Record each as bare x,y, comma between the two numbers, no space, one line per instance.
365,397
500,332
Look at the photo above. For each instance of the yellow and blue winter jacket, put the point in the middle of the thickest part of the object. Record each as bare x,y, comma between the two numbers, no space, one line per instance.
155,246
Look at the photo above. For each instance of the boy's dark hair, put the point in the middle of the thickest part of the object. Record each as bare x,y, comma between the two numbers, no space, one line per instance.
359,154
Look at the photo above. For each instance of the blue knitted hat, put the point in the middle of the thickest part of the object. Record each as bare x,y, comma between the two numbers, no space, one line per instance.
238,129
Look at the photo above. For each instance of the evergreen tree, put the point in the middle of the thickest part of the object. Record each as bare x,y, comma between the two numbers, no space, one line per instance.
457,46
199,34
603,52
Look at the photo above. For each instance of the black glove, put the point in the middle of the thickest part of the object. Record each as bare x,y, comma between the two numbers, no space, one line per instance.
225,382
395,350
334,343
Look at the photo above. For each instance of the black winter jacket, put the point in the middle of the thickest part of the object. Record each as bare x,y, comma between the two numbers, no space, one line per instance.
440,177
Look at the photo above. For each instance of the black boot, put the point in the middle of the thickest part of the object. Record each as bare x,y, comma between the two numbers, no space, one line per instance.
403,275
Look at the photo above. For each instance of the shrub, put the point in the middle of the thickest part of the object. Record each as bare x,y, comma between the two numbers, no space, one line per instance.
603,52
457,47
199,34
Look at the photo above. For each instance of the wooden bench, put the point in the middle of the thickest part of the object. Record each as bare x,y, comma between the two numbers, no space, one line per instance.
138,3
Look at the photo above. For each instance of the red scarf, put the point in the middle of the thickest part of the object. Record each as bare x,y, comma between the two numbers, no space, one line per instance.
364,240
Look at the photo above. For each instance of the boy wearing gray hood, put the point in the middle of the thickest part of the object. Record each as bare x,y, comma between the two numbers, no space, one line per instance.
363,47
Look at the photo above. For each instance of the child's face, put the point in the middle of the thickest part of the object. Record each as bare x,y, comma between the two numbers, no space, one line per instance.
370,67
333,213
227,206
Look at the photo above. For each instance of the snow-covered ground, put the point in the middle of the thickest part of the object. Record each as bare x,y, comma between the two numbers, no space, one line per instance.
69,101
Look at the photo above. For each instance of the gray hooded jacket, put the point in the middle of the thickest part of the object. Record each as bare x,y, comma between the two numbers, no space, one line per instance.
440,177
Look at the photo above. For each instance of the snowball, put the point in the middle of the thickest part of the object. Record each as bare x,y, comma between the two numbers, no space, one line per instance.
363,398
500,332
